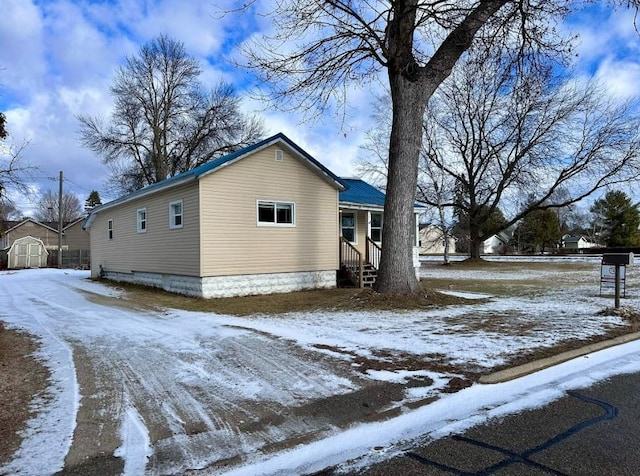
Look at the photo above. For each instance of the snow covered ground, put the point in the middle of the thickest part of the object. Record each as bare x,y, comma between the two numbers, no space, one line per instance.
176,390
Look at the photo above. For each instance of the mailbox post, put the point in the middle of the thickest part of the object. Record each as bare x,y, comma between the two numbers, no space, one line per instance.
619,260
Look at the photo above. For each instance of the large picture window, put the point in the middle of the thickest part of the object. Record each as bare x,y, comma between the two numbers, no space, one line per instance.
276,213
175,214
142,220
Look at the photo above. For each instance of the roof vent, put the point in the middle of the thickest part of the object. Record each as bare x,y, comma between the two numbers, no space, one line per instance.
279,157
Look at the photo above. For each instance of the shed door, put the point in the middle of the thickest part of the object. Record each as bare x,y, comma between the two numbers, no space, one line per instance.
35,255
22,255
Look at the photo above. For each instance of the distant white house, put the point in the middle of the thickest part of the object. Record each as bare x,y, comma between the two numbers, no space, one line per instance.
432,240
576,242
497,244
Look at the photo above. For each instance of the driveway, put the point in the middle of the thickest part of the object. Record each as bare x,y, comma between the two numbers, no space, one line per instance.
167,391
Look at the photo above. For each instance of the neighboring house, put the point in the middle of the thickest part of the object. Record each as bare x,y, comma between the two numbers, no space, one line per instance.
74,237
45,232
263,219
576,242
432,240
497,244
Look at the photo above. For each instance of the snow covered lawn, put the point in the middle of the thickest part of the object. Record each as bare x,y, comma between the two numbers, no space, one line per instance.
175,390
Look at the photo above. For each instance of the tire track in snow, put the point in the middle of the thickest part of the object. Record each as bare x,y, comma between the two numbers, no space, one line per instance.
204,391
48,435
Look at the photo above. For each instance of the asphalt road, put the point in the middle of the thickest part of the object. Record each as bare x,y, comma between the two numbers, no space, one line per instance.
592,431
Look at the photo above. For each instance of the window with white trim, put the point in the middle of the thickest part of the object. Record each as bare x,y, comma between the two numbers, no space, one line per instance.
348,226
141,220
175,214
110,229
276,213
376,227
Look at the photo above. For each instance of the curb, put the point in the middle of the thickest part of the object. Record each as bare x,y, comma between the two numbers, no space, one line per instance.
525,369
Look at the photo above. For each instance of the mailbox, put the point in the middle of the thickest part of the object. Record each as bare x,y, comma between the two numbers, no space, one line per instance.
617,258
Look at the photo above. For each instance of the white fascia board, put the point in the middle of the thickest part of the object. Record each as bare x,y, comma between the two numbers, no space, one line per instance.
135,196
359,206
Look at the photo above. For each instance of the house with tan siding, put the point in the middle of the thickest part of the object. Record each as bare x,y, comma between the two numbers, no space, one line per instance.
74,236
260,220
361,222
47,233
267,218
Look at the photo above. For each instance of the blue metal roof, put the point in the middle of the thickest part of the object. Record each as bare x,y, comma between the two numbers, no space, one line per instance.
361,193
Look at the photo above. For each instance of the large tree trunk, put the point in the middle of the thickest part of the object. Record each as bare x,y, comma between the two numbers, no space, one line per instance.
411,87
476,243
445,234
475,248
396,273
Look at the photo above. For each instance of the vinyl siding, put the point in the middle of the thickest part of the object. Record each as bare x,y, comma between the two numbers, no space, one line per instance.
362,226
232,242
47,236
75,237
158,250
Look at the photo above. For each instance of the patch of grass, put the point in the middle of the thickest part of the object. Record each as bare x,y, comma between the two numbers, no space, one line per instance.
23,379
508,266
340,299
485,286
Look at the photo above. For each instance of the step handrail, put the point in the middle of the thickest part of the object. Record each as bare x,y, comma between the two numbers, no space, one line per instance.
373,253
351,260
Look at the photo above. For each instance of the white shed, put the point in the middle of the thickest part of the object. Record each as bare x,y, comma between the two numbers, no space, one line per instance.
27,252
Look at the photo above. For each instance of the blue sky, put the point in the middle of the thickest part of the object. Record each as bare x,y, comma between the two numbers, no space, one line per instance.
58,58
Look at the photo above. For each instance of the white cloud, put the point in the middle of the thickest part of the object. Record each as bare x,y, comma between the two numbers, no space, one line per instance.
22,55
61,56
620,78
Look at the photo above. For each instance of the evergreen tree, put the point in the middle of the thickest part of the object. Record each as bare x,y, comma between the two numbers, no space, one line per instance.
539,230
92,201
618,218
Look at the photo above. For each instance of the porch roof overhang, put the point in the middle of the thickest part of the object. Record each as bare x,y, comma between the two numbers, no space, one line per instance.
372,208
360,206
359,195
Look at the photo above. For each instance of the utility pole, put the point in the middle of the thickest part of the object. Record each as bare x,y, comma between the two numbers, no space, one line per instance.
60,222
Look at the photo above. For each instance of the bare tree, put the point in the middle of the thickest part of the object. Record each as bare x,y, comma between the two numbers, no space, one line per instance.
320,48
47,209
526,140
433,187
3,130
8,211
164,122
14,171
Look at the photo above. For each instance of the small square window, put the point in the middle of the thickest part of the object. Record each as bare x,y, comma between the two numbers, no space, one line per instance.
142,220
175,214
